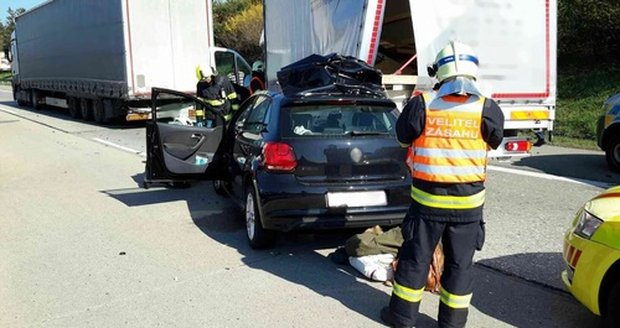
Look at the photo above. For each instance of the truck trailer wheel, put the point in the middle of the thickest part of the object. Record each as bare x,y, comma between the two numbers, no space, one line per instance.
34,99
86,109
612,153
99,111
17,94
74,107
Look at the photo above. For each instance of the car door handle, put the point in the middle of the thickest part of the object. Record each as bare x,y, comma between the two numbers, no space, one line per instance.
196,136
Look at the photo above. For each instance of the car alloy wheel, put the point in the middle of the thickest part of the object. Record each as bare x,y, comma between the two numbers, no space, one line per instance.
250,217
258,237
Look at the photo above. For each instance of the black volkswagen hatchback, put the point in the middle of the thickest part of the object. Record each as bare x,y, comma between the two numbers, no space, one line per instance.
318,161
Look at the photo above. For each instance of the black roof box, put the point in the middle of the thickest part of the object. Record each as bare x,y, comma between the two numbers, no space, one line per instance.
332,74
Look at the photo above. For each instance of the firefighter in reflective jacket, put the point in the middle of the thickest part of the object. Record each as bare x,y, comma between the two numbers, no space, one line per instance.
448,133
217,91
258,77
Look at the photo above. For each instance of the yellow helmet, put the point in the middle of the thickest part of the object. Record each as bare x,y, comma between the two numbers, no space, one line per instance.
455,59
204,74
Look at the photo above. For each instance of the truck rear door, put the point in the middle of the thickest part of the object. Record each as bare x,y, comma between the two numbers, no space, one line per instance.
515,42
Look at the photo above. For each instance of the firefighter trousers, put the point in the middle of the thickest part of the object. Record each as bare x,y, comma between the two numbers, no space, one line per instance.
460,241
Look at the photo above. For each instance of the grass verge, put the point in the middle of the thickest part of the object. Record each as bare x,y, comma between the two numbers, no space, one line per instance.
569,142
5,77
581,94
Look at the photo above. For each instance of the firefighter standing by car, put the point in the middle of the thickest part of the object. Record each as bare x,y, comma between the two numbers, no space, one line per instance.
449,133
217,91
258,77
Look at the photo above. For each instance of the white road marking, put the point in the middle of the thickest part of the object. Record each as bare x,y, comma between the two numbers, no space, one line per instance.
10,111
123,148
547,176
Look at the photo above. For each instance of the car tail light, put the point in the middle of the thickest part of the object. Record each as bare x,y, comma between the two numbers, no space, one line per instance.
518,146
279,156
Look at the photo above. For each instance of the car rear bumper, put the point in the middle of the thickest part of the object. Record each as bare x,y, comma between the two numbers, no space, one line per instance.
287,220
288,205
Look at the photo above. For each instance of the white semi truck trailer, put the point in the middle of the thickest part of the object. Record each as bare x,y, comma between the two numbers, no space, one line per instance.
100,59
514,40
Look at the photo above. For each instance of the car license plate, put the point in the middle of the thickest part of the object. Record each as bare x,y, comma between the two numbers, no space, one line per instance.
356,199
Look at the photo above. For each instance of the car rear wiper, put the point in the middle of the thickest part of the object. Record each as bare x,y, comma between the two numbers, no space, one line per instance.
366,133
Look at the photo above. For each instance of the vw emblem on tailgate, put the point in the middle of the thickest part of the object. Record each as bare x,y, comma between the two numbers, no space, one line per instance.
356,155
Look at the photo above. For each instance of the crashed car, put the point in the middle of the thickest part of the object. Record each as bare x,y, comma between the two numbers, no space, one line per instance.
319,154
592,256
608,132
312,161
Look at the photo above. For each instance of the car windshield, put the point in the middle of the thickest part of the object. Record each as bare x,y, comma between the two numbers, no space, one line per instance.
337,120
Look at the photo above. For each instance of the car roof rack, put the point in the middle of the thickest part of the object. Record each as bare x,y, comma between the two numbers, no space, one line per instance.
339,89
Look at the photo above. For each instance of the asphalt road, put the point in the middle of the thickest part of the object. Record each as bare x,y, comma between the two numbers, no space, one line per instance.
84,246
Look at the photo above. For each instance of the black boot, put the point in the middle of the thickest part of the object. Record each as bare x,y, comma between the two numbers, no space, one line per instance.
390,319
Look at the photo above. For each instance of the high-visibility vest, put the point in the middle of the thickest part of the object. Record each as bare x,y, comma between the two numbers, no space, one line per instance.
451,148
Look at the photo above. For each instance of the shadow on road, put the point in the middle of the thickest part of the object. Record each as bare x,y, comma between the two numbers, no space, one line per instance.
582,166
296,258
501,293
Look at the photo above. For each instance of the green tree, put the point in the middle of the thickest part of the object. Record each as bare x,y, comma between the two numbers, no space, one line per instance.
237,24
588,31
9,26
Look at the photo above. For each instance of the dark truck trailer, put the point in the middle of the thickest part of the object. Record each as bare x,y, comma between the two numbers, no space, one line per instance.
100,59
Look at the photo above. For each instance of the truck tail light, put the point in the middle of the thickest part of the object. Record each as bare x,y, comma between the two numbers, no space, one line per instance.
518,146
279,156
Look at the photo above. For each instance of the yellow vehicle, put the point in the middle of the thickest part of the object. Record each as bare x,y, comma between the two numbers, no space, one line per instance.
592,256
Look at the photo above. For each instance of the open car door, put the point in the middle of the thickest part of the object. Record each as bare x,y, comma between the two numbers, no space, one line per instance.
183,137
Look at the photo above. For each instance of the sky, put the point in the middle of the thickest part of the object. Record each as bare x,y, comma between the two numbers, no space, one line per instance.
14,4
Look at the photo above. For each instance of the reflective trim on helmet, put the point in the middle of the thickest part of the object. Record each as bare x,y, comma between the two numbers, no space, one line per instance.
464,57
454,301
408,294
451,202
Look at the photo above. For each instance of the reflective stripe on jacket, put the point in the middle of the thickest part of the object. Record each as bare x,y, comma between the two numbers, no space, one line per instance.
451,148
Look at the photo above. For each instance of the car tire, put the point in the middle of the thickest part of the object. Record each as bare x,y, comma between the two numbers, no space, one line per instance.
218,186
74,107
258,237
612,153
612,315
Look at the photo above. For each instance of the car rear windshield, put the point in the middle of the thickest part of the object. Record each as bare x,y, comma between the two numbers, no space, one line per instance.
337,120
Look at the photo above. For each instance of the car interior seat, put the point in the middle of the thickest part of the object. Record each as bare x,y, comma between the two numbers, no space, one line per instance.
365,121
302,119
332,124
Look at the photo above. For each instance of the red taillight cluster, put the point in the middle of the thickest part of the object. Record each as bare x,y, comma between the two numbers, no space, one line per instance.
518,146
279,156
